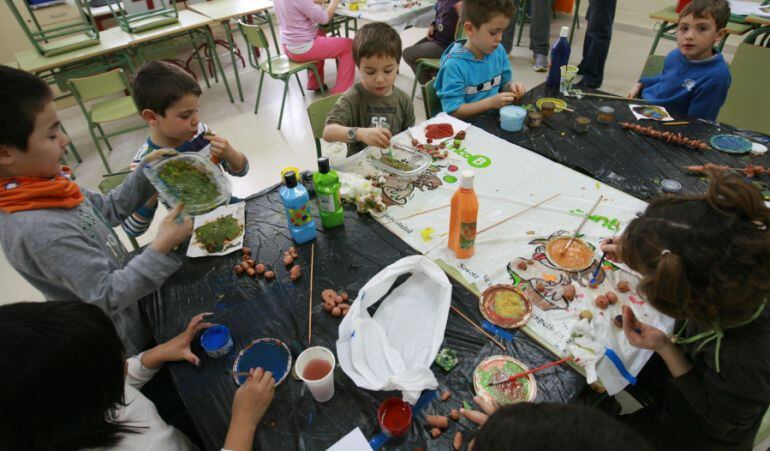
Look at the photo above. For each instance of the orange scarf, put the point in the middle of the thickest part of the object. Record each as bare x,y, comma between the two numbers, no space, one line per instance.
34,193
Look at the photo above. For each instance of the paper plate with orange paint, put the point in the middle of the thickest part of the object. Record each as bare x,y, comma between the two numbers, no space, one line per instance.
578,257
505,306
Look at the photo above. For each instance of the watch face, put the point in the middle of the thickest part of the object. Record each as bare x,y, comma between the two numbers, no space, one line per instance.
440,27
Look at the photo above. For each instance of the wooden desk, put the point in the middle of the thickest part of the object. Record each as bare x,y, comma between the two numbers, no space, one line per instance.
110,41
222,11
759,20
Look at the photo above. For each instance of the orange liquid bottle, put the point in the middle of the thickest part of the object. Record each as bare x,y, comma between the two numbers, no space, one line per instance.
462,218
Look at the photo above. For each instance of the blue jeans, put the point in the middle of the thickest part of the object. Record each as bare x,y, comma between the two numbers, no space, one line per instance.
596,45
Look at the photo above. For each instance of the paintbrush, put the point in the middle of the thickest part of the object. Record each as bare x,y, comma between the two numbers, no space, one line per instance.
578,94
310,296
582,223
470,321
676,123
598,268
241,373
528,372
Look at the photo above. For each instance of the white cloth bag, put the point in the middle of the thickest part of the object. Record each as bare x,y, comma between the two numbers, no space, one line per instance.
393,350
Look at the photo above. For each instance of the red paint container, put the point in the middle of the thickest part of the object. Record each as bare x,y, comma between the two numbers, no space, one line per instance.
395,417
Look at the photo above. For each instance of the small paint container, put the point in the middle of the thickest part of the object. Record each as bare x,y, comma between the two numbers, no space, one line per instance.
606,115
669,186
395,417
216,341
547,108
581,124
534,119
512,118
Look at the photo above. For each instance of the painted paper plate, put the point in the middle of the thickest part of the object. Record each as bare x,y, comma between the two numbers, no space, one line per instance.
493,368
731,144
505,306
577,257
558,103
269,354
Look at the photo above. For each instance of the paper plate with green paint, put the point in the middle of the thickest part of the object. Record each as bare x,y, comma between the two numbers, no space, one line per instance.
505,306
493,368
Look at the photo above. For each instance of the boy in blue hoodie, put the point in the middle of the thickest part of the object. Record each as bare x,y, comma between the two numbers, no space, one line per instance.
475,74
695,77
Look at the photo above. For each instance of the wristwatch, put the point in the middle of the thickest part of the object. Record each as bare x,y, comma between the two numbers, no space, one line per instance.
352,134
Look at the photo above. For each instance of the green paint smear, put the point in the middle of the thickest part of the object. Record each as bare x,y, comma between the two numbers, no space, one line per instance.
611,224
509,368
215,234
191,186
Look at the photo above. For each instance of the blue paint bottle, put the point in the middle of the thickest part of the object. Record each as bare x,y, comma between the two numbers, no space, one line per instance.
296,201
559,57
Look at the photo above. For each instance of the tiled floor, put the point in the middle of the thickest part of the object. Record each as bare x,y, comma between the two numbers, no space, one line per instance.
269,149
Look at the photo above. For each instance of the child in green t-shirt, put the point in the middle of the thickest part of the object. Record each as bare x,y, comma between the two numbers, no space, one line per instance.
373,110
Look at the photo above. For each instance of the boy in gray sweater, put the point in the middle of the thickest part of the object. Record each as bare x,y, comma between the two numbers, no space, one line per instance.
58,236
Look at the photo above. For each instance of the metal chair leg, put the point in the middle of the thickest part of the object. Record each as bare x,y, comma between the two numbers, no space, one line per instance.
104,137
283,101
99,149
299,83
416,77
259,91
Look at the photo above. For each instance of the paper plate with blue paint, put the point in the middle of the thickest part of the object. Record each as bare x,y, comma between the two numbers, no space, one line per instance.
731,144
269,354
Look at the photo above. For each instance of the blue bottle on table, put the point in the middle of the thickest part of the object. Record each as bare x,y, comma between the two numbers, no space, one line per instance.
559,57
297,203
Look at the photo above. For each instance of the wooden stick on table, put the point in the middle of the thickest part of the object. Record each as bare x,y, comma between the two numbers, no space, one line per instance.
416,214
310,296
470,321
517,214
582,223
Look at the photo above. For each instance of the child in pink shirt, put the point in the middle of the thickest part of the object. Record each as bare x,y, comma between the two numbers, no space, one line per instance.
303,41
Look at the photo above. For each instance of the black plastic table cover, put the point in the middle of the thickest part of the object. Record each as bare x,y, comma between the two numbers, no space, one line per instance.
630,162
345,259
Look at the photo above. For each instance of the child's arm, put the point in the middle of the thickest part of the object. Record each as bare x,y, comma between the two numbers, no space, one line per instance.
139,221
450,83
517,89
249,406
708,100
234,162
373,136
469,110
142,367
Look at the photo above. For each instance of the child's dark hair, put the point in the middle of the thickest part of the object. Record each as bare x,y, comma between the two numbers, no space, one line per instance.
61,376
718,9
705,257
555,427
479,12
376,39
158,85
22,96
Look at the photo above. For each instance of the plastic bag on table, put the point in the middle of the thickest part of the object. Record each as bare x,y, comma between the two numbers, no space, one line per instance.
393,349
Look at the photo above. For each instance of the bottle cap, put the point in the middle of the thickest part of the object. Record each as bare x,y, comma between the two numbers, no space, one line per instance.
466,179
290,179
323,165
564,32
670,186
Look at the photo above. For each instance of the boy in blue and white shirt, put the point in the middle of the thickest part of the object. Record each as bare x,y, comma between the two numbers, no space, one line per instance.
475,74
168,99
695,77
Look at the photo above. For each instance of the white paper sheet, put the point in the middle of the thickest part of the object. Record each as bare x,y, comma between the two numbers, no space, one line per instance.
354,441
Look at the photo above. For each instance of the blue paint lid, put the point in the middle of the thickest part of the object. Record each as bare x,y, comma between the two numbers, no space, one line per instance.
215,337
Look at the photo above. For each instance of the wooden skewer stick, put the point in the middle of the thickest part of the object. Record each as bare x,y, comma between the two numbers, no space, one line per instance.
310,296
470,321
533,370
676,123
517,214
582,223
416,214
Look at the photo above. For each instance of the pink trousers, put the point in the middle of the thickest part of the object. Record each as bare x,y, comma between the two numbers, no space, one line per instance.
324,47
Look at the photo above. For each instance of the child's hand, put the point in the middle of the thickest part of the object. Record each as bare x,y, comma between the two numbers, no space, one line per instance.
642,335
500,100
377,137
431,32
613,250
221,148
634,92
175,228
488,406
178,348
518,90
253,397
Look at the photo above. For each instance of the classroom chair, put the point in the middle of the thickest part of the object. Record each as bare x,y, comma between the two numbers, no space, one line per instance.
317,112
278,67
669,19
433,63
58,39
137,16
653,65
430,100
110,83
110,182
747,104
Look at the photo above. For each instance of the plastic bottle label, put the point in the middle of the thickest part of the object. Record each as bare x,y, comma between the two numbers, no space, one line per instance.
326,203
467,235
300,217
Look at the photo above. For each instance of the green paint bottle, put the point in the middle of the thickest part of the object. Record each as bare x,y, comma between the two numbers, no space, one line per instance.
327,192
